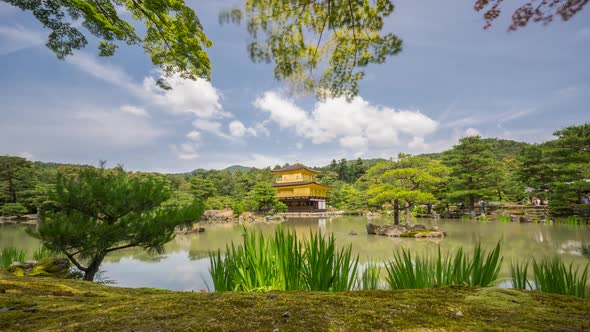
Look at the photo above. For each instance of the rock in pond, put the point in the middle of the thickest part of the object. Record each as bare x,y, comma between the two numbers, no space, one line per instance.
47,267
415,231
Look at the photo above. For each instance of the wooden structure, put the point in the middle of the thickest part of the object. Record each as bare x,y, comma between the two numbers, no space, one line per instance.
297,187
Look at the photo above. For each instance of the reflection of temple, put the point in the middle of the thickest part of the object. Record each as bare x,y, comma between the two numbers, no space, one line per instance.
296,187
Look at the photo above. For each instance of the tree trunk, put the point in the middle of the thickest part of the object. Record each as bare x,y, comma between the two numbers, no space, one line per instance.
408,213
472,206
396,212
93,268
11,188
429,206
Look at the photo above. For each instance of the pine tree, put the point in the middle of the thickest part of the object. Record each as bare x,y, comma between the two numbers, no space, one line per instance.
100,211
473,171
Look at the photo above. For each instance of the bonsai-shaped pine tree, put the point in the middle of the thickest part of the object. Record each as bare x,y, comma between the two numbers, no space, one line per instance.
103,210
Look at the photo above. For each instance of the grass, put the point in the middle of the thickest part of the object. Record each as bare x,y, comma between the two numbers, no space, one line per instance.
73,305
504,218
552,275
283,262
370,276
519,274
424,271
11,254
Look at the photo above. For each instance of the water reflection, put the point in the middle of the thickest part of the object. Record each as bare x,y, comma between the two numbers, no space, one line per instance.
185,264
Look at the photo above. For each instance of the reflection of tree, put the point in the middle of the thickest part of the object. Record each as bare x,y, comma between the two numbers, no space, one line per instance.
195,255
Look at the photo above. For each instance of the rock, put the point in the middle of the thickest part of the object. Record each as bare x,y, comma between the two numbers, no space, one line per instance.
275,330
459,314
286,314
523,219
2,290
5,309
414,231
393,231
513,218
352,233
31,262
417,227
57,267
372,229
30,309
272,296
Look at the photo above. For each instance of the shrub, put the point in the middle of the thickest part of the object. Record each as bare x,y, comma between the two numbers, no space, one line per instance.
13,209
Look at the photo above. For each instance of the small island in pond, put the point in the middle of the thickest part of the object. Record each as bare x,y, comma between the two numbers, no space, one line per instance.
415,231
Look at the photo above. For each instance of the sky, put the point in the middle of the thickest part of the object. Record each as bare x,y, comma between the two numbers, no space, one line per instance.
452,79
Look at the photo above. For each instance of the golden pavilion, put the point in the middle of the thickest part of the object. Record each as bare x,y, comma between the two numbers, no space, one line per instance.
297,187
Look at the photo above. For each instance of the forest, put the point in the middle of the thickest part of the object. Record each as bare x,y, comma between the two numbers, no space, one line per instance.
556,172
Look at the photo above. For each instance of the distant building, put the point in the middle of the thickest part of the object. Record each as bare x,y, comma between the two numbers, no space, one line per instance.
297,188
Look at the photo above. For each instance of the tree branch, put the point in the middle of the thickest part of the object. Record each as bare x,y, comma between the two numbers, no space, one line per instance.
122,247
73,260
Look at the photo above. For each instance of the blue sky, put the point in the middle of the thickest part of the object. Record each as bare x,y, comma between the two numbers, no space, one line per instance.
452,79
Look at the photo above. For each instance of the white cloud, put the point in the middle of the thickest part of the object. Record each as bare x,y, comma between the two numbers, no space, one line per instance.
259,161
418,143
16,38
27,155
185,151
472,132
197,97
208,125
355,143
106,72
355,125
118,129
135,110
299,146
194,135
237,129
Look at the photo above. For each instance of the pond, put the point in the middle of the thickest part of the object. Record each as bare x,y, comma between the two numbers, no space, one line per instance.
185,266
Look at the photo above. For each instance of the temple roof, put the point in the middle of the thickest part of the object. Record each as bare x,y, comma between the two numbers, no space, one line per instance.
295,167
298,183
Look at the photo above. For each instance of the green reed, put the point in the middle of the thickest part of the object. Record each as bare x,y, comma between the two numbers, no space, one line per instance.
283,262
10,255
552,275
424,271
43,252
370,276
519,274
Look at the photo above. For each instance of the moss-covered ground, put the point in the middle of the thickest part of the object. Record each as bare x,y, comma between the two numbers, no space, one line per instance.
72,305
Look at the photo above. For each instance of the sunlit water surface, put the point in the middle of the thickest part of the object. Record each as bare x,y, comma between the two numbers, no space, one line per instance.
185,266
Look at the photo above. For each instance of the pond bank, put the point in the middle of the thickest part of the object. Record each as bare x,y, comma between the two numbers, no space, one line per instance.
56,305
